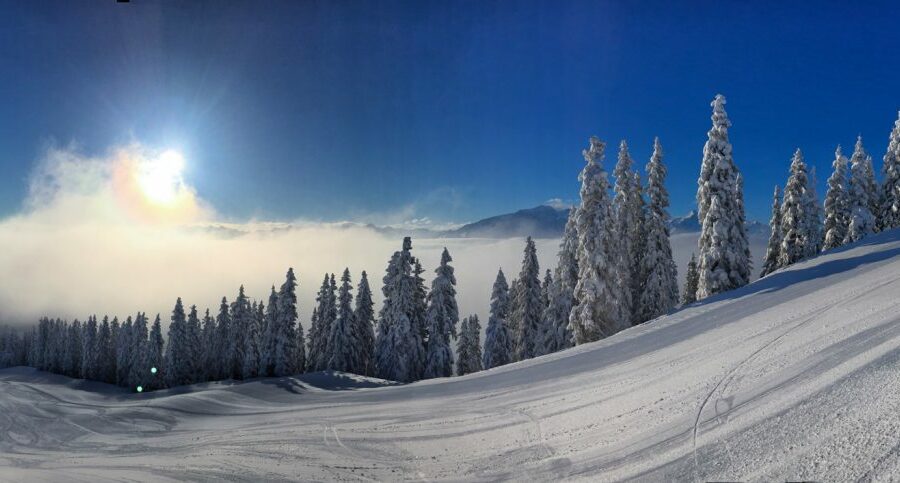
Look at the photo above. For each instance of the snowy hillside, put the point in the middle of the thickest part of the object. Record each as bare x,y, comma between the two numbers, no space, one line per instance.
796,376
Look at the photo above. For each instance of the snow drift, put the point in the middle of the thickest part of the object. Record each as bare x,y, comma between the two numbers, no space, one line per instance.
795,376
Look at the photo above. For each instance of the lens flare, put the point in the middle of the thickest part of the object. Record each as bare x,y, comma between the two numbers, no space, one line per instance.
160,178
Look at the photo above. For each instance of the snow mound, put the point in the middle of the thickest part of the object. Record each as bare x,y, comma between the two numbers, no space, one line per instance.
794,377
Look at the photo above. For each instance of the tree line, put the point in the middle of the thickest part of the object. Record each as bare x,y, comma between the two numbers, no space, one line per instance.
614,270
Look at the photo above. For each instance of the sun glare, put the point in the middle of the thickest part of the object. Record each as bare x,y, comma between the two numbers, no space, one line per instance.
160,178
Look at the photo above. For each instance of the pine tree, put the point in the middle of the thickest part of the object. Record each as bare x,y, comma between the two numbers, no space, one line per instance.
474,341
287,355
123,353
194,346
417,316
139,371
462,349
528,304
106,361
209,356
794,229
562,291
250,366
154,357
320,329
344,346
512,320
442,315
862,182
627,226
813,211
241,317
773,250
724,262
223,342
497,339
177,370
659,276
837,203
889,209
597,293
545,327
267,349
399,345
364,323
90,350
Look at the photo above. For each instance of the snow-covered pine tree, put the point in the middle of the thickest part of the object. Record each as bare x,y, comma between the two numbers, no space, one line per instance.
813,211
627,225
90,350
194,346
364,328
420,305
106,360
724,262
287,356
139,372
837,203
462,348
545,326
320,329
597,293
862,182
442,315
155,357
497,339
473,339
399,348
773,250
659,276
123,352
241,317
73,347
209,357
250,366
889,209
267,346
562,292
344,346
794,229
223,342
512,320
528,304
177,370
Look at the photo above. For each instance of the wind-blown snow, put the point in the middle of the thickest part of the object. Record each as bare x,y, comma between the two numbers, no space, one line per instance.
795,376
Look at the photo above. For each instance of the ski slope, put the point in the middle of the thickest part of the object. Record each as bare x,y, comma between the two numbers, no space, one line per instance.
794,377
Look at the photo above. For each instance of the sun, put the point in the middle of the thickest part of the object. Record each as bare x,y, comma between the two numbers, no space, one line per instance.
160,178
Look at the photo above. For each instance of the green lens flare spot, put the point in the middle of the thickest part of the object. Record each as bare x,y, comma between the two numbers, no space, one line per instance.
140,389
152,370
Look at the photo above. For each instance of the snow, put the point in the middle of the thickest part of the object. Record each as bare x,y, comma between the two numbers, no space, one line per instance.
795,376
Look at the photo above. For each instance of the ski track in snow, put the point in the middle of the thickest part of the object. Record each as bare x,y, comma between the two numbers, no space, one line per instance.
794,377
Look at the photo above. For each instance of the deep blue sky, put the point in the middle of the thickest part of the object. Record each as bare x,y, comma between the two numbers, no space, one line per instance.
463,109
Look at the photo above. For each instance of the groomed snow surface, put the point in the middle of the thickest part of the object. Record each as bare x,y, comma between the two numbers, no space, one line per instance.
794,377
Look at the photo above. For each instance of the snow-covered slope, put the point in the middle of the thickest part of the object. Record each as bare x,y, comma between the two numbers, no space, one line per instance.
796,376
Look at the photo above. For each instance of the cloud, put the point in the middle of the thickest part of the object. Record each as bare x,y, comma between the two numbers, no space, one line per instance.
88,241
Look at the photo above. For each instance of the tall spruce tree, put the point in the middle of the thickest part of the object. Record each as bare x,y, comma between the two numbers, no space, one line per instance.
251,341
288,356
545,328
795,232
597,292
627,227
512,321
155,379
344,346
267,346
322,321
223,342
442,315
528,304
773,249
364,327
497,339
889,201
399,348
658,274
139,372
177,371
562,292
241,316
209,356
90,350
813,211
724,262
837,203
862,192
469,347
194,346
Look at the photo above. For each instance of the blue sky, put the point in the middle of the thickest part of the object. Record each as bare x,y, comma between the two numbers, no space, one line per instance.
451,110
